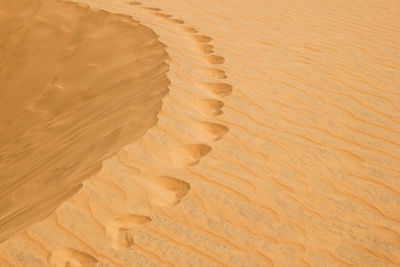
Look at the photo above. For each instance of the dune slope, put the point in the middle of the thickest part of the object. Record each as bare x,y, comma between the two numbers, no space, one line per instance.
76,86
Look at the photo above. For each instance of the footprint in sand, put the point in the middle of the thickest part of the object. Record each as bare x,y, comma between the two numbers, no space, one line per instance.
72,258
212,73
176,21
210,131
217,89
162,15
205,48
209,107
188,155
134,3
167,191
201,38
189,29
215,60
121,230
153,8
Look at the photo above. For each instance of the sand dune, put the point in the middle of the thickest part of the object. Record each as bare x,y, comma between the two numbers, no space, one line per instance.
276,145
77,86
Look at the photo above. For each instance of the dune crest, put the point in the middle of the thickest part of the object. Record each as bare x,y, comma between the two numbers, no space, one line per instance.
76,86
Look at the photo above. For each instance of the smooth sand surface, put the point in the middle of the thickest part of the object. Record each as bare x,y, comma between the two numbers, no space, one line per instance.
277,144
76,86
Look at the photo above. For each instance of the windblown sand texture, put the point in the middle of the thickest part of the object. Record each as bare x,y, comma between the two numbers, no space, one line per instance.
76,86
277,144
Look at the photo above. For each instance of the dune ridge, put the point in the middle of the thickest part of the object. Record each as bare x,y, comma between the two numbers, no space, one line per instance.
77,85
300,171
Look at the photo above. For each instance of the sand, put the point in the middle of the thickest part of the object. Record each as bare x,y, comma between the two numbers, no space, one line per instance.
277,143
77,86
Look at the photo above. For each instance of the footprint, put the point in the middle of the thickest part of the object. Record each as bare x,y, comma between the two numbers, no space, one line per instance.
218,89
122,17
210,107
216,60
189,155
153,8
205,48
212,73
176,21
121,230
162,15
134,3
201,38
167,191
189,29
349,158
71,258
81,5
212,131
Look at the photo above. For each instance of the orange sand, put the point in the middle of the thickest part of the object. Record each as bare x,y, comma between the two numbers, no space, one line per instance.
76,86
277,145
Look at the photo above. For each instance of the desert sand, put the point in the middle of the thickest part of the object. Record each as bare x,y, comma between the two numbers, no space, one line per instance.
199,133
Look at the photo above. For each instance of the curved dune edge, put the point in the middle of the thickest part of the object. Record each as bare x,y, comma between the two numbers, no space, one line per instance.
77,86
255,197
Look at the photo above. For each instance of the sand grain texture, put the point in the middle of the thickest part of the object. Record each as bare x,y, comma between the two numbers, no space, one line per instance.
277,145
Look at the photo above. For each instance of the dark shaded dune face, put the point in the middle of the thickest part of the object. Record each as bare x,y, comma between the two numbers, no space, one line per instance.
76,85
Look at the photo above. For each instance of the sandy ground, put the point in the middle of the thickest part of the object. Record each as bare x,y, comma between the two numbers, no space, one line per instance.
76,86
277,144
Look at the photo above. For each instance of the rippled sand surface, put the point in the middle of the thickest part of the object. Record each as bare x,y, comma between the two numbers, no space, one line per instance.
277,144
